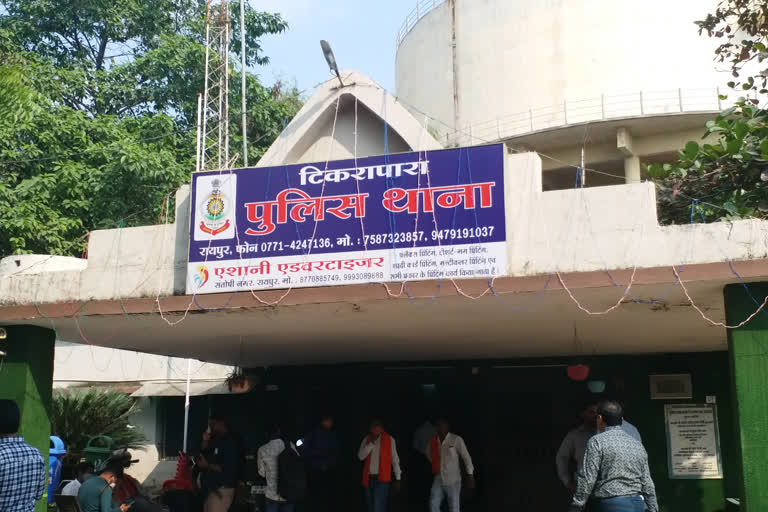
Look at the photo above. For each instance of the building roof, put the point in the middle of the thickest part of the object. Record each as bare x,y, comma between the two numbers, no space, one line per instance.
375,100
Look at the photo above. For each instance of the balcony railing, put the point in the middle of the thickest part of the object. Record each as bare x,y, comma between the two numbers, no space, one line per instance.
413,17
604,107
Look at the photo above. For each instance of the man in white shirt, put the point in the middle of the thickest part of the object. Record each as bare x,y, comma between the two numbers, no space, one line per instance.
444,452
84,471
266,462
378,452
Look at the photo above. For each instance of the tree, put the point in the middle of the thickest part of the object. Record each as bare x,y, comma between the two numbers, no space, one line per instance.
729,175
98,110
77,416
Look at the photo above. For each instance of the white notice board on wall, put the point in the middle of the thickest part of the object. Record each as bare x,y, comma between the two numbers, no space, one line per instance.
693,441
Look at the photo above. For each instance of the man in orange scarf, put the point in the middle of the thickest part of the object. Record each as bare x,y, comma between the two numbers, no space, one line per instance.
380,463
445,449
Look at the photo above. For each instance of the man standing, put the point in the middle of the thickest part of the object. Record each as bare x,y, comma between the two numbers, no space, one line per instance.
379,453
23,472
84,471
266,461
95,495
444,453
321,450
220,466
615,472
571,452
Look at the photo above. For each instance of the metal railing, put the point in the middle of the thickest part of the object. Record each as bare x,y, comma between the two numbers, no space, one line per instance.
413,17
604,107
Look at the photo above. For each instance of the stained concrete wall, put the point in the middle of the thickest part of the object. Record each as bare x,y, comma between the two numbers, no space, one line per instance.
306,137
424,68
77,364
370,136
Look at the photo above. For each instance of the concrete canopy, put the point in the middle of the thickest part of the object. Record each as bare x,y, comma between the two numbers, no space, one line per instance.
113,297
531,316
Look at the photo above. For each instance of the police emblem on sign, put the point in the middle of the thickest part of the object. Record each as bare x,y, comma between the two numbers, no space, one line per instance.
215,209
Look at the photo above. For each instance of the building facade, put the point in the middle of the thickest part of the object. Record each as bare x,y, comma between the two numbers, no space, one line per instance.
668,318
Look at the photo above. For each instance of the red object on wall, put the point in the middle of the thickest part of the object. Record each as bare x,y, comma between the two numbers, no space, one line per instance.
578,372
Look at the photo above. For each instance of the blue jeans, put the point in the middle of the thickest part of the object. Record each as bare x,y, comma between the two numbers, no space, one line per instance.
274,506
619,504
376,495
451,492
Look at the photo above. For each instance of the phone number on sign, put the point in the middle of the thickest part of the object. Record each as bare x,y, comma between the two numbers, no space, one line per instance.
436,234
370,276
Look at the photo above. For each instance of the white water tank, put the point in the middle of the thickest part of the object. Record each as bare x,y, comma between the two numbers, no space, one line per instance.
518,58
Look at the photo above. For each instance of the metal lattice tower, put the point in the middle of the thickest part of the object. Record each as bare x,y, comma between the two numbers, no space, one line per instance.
215,130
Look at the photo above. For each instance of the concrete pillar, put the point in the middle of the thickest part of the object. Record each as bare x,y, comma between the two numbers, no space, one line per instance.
181,245
624,143
26,375
748,348
632,169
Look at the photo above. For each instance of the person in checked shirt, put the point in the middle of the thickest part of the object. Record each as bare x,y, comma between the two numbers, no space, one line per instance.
614,475
23,472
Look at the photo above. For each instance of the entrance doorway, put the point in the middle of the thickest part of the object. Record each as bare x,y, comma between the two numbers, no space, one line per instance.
512,418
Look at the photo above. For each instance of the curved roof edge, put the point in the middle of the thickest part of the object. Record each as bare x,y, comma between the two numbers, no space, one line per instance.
374,97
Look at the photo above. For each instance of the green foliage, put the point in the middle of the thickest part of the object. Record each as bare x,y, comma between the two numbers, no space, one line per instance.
98,110
742,26
731,173
76,416
728,173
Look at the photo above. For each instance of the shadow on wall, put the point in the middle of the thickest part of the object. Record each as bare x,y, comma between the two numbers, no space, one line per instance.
157,473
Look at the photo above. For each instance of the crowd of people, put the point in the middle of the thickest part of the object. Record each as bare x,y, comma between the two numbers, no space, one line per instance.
24,475
305,469
602,462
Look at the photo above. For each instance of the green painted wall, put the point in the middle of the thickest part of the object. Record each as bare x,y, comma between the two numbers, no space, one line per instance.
26,375
749,363
710,377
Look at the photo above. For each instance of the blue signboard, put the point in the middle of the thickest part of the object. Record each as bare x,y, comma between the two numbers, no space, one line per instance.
408,216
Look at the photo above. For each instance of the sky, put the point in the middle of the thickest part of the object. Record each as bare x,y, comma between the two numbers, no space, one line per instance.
362,35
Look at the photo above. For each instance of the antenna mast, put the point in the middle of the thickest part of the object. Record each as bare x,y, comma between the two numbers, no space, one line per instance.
214,153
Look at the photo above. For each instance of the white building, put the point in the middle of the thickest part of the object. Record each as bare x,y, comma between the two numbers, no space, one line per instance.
630,82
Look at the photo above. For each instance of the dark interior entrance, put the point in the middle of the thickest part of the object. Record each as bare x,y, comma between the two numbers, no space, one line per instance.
512,414
512,418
